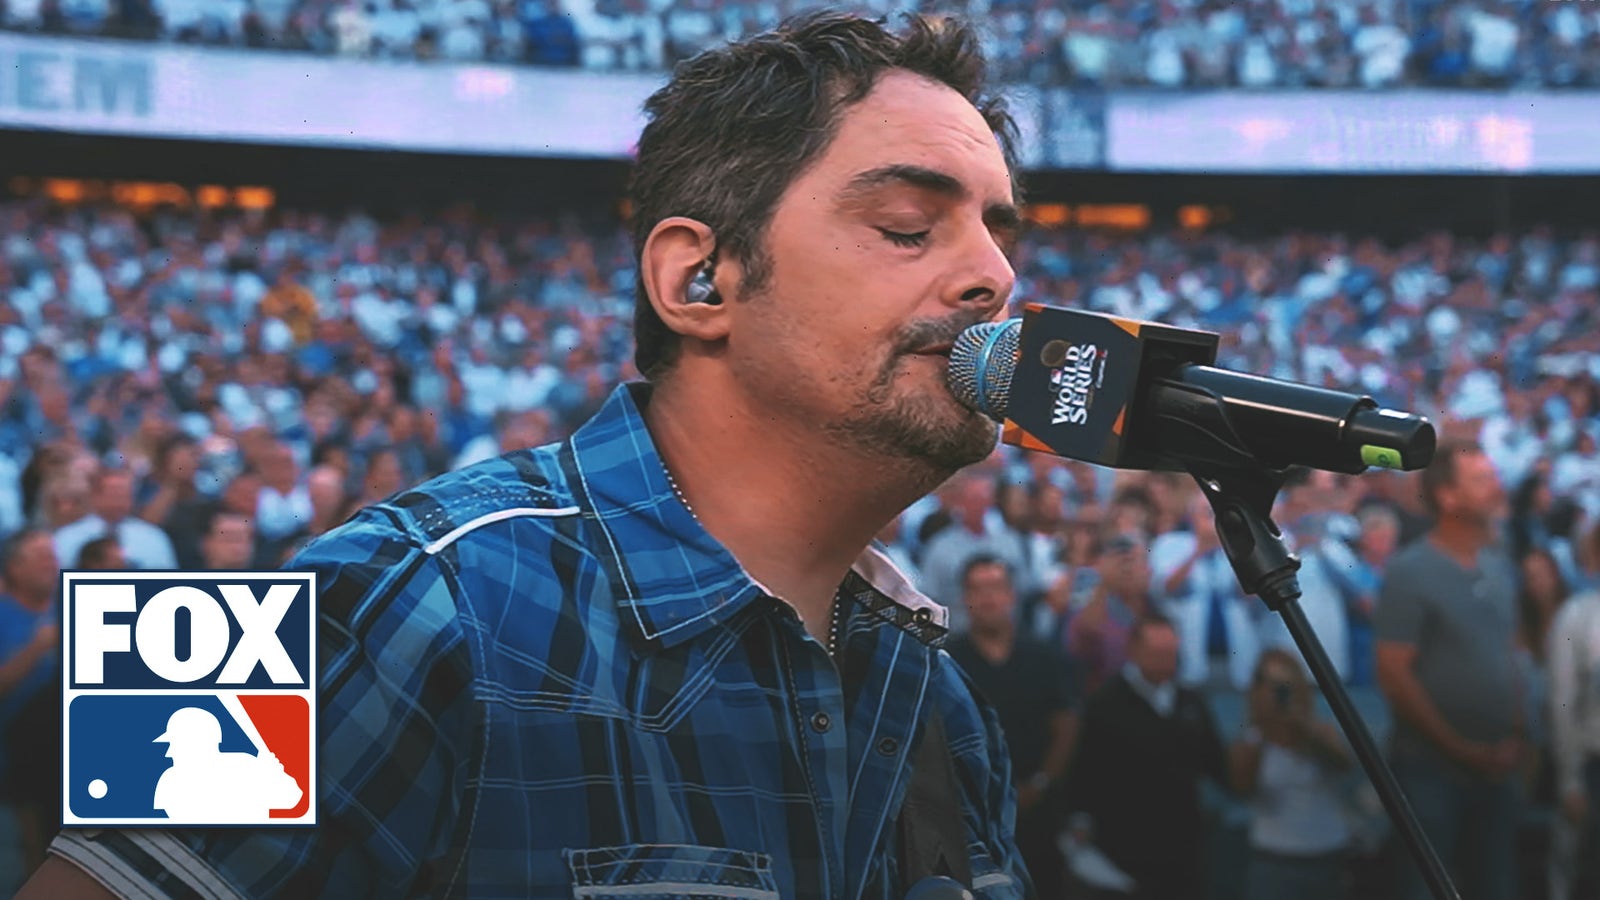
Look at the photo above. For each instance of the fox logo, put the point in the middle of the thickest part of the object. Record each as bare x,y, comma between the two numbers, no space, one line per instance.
188,698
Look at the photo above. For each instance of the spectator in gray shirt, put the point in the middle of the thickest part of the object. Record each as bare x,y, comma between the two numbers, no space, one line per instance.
977,530
1445,626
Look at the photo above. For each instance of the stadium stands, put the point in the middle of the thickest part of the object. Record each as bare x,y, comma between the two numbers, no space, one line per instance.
232,320
1127,43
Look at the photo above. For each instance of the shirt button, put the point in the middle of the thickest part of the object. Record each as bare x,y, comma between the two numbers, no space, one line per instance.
923,616
888,746
820,722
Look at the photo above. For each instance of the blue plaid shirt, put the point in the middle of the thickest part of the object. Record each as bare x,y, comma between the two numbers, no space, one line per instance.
540,677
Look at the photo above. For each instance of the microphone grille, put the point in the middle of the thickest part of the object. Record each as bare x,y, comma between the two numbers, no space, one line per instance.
982,361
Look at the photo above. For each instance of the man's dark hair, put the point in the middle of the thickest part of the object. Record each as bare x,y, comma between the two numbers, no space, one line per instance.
1114,541
95,553
107,471
1146,622
980,560
1134,495
168,446
208,523
12,547
324,451
1441,472
737,125
1038,486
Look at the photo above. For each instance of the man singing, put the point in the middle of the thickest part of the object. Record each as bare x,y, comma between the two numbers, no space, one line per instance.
661,658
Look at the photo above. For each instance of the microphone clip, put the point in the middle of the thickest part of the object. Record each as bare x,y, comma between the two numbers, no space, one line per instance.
1242,501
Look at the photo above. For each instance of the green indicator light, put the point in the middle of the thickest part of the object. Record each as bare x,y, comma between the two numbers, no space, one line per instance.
1381,456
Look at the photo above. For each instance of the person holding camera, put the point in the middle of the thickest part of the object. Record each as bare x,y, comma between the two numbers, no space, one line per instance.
1288,763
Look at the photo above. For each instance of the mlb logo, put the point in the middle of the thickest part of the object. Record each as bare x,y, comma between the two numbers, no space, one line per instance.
188,698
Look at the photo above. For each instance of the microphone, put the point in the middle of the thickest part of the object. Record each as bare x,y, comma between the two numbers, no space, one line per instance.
1142,395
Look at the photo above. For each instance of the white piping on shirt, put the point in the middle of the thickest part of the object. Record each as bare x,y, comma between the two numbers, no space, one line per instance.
498,515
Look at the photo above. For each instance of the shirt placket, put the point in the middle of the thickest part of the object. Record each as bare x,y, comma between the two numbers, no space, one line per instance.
822,746
891,703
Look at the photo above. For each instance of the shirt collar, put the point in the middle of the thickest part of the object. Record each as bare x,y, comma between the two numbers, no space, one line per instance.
1161,697
672,579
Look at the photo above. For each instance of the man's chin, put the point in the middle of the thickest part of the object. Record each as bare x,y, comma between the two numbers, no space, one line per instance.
910,414
969,439
938,432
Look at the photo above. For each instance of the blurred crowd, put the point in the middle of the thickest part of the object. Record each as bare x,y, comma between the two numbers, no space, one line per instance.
1084,43
211,389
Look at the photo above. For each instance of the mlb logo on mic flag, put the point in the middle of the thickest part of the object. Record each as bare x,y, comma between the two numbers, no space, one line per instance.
188,698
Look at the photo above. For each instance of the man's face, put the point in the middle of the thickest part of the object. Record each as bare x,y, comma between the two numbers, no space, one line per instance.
183,462
242,494
1125,566
529,429
113,496
1130,515
1015,506
402,424
976,498
1325,491
34,569
55,404
322,418
67,502
278,466
1156,653
1476,494
889,245
383,475
326,486
1047,509
989,596
230,544
1379,538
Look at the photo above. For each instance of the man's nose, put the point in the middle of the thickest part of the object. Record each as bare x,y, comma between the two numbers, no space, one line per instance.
986,278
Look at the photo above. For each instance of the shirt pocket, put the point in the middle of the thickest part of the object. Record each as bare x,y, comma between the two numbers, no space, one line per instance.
671,872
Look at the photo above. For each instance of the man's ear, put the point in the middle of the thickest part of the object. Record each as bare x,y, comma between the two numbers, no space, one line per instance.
676,251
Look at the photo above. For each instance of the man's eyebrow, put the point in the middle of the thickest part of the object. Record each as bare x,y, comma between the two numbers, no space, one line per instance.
903,173
1001,214
1003,217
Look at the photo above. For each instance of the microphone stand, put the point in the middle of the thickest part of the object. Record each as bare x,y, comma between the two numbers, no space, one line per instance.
1242,501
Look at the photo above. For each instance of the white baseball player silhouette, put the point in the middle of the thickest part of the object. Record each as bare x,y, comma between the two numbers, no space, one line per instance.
207,786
